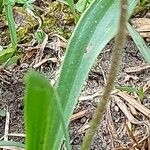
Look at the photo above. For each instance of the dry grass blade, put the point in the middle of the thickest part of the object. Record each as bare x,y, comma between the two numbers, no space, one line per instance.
110,121
83,128
97,94
137,69
40,53
78,115
16,134
111,127
146,87
11,148
130,133
6,127
124,109
138,106
135,103
44,61
148,143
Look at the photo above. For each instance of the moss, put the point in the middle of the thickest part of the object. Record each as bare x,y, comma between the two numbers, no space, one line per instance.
58,19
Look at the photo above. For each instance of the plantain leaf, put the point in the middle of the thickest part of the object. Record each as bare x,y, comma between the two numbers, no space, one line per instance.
41,102
140,43
95,29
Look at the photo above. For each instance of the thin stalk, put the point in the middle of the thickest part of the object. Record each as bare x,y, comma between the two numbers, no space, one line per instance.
115,63
11,23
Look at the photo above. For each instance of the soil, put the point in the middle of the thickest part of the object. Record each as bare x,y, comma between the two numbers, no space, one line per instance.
12,88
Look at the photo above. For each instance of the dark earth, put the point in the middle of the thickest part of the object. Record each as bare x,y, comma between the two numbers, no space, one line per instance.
12,88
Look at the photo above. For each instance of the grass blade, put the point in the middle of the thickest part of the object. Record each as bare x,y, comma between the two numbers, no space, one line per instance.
11,23
140,43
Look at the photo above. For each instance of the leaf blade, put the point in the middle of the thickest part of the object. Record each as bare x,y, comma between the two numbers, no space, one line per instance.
41,101
36,110
76,68
80,56
140,43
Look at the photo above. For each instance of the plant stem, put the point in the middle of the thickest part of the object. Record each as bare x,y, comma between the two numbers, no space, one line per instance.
115,63
11,23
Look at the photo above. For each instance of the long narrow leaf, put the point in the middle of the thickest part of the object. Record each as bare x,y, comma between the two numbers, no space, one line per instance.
95,29
11,23
41,102
140,43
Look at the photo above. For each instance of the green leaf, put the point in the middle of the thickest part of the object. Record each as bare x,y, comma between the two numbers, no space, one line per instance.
41,102
40,35
6,54
95,29
127,88
11,23
12,144
140,43
138,91
12,61
81,5
72,7
1,5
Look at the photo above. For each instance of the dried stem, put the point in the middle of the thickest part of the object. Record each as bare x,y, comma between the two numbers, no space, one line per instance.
116,60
